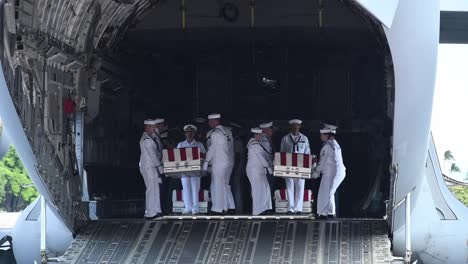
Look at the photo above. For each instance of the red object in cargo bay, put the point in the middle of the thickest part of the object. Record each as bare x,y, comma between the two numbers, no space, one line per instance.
69,106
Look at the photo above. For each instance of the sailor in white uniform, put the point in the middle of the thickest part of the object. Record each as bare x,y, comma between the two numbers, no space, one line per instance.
333,172
295,142
258,164
267,143
231,160
220,155
190,182
151,167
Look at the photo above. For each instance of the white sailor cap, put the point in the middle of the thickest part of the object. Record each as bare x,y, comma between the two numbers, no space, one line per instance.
266,125
214,116
190,128
159,120
150,122
256,130
328,129
199,120
295,121
332,127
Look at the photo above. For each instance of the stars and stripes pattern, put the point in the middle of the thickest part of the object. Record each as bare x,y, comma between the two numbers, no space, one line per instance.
202,196
282,195
182,154
293,160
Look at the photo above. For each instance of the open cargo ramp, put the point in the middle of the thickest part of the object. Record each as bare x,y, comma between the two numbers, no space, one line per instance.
232,241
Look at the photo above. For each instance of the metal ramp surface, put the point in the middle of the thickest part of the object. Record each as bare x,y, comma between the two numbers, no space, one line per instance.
231,241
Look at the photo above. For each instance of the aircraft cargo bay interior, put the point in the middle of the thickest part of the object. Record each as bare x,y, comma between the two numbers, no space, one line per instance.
326,63
312,121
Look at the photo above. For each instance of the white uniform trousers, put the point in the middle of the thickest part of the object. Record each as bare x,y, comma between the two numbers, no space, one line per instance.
190,190
221,194
218,189
152,198
229,196
261,196
295,189
326,193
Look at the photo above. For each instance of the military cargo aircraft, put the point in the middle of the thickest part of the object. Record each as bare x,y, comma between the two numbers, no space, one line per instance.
80,76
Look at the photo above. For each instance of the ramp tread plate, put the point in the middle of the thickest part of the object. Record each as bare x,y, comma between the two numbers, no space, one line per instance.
231,241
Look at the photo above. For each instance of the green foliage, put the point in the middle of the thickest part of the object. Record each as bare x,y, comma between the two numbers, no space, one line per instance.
454,168
16,188
448,155
461,192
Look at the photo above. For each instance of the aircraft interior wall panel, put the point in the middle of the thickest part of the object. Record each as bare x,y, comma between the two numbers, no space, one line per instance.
112,28
165,15
211,81
141,9
208,14
70,21
302,91
51,10
107,12
274,13
57,14
61,23
83,14
85,31
119,24
69,16
27,13
339,14
41,6
334,86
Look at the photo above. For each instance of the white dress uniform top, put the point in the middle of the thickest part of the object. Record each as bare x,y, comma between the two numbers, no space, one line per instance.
150,168
295,187
232,153
333,173
191,183
258,164
221,156
267,145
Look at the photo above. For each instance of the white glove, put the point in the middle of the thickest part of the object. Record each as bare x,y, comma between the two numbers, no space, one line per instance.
205,166
161,170
315,175
159,180
270,170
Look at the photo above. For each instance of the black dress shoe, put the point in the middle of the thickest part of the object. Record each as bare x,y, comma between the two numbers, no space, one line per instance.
264,213
322,217
331,216
297,213
290,213
153,217
231,211
216,213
